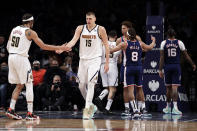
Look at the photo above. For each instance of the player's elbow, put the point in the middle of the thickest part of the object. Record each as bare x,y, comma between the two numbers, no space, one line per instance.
150,47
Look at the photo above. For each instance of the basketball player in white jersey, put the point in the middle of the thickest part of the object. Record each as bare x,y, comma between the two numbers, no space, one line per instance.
20,72
90,51
109,79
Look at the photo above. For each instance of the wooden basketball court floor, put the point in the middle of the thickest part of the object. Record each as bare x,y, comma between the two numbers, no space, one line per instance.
72,121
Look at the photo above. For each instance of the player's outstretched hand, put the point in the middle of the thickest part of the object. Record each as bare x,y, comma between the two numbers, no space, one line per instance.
65,48
59,51
161,74
62,49
106,67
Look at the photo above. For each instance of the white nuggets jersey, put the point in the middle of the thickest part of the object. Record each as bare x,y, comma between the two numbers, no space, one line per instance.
113,57
90,43
18,43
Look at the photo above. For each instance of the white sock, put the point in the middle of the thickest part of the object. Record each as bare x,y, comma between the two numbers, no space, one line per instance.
139,104
175,105
82,88
90,94
30,107
103,94
109,103
143,105
29,96
168,104
126,105
12,104
29,92
134,106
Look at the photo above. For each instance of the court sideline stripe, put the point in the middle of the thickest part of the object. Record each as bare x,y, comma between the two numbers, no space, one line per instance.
190,120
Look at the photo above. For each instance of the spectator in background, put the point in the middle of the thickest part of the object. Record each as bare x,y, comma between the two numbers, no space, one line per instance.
55,94
2,45
72,75
47,60
38,73
67,64
53,70
3,51
38,77
3,84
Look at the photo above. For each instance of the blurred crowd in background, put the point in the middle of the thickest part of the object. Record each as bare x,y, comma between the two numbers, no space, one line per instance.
55,81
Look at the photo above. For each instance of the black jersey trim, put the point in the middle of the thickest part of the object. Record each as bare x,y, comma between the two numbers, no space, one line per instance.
92,28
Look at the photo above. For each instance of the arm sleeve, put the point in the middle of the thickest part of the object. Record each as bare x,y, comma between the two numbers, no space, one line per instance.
162,45
181,45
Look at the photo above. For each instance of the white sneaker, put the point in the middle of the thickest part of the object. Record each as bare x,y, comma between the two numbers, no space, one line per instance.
86,114
92,110
176,112
167,110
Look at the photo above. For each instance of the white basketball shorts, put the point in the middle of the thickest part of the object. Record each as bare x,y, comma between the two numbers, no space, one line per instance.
88,70
19,69
111,77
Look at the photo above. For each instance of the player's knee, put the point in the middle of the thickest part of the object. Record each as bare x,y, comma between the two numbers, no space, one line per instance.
139,89
112,89
125,89
19,87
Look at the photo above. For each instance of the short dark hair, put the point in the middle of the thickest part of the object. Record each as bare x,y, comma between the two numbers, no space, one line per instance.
127,23
112,34
171,33
132,33
90,13
25,17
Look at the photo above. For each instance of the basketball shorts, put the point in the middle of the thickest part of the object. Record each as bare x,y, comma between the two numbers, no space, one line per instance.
111,77
122,74
133,75
19,69
172,74
88,70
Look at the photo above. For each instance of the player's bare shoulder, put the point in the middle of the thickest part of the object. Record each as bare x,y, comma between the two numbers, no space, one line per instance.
101,31
30,34
101,27
138,38
80,28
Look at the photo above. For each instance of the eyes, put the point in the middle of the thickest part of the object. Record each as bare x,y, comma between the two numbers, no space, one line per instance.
88,18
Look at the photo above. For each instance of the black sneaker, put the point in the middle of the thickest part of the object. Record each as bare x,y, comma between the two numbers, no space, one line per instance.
31,116
144,111
99,104
12,115
107,112
126,112
136,114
